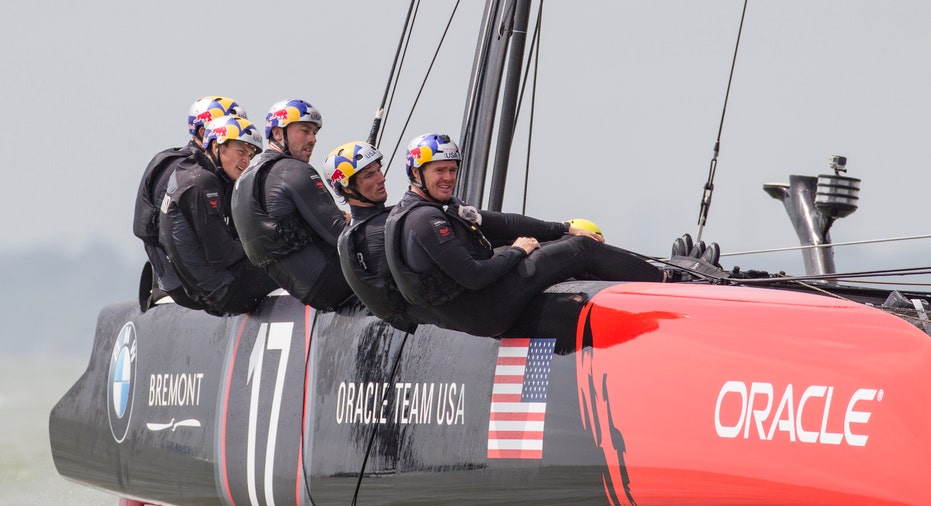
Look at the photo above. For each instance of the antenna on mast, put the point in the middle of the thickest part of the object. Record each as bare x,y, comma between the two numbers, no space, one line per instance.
709,185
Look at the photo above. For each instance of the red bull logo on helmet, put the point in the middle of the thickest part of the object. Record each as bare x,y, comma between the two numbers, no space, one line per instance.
281,115
199,120
347,160
286,112
278,118
225,133
419,156
430,147
206,109
338,176
204,117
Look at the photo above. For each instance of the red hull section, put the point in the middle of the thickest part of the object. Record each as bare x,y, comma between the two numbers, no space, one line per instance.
723,395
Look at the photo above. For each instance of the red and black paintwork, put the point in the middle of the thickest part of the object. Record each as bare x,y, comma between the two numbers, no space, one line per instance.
656,394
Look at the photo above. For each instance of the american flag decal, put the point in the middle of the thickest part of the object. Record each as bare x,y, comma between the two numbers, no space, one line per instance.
518,398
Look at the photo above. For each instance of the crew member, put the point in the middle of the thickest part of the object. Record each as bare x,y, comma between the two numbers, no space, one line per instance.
476,271
195,228
149,198
354,172
285,216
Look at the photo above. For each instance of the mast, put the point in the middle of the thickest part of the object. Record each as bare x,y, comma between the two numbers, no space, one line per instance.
503,22
509,104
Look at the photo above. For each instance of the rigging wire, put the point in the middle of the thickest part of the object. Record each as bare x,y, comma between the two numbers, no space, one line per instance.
477,128
535,52
891,283
397,80
921,321
392,78
827,245
709,185
374,139
836,276
514,29
833,276
533,46
910,271
436,53
368,449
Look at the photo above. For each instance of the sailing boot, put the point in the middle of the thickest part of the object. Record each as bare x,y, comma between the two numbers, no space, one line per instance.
146,284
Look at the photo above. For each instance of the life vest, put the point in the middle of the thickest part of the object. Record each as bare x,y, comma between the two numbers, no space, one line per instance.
377,291
432,287
145,218
265,238
205,279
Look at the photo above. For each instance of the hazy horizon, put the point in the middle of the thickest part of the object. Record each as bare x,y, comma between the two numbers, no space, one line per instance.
629,102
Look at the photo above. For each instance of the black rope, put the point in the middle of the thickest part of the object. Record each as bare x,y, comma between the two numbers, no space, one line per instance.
422,85
368,450
912,271
394,90
523,84
376,123
535,51
709,185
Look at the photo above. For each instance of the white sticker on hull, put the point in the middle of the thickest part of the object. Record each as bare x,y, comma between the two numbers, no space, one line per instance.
175,389
122,381
172,425
414,403
758,419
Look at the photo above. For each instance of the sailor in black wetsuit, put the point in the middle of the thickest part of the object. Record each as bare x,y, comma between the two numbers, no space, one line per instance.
285,216
152,190
476,271
354,172
195,227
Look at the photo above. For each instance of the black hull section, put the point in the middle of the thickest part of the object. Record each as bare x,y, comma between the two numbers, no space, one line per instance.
617,393
174,463
215,416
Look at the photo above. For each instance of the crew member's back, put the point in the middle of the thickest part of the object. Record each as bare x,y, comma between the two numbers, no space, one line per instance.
195,227
288,221
159,276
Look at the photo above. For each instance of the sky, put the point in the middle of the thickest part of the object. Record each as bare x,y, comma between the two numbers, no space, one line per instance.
629,101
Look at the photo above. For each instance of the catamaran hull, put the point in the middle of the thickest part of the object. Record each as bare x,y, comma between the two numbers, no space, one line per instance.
606,394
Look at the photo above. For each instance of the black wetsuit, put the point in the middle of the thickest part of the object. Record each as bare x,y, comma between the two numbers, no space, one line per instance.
196,232
289,224
362,257
145,221
473,281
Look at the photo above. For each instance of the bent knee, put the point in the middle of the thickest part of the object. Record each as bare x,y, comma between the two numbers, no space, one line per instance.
583,243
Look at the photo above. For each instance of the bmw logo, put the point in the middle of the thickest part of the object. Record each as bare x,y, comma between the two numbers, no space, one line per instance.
121,381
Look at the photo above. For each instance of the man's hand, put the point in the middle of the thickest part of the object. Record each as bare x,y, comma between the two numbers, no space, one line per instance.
528,244
574,230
